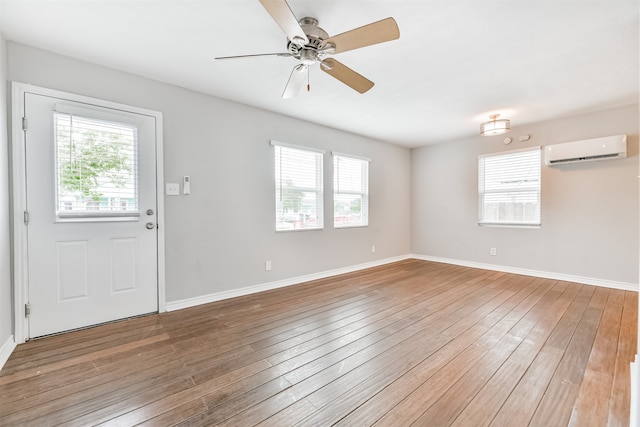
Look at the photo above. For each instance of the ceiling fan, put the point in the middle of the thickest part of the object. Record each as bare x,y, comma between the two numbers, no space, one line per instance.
310,44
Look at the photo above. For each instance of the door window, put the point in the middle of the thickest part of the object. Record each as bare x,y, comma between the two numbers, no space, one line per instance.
96,169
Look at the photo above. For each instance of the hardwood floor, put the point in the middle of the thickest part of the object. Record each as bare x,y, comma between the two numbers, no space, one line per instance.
410,343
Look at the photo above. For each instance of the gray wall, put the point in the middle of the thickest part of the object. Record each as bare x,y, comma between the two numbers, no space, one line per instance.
6,302
589,210
422,201
218,238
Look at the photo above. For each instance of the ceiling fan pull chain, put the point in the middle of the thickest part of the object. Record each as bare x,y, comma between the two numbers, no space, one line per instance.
308,79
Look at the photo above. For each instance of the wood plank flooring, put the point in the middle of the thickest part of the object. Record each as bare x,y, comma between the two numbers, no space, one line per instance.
410,343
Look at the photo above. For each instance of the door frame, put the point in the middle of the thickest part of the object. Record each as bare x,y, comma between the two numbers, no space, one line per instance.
19,195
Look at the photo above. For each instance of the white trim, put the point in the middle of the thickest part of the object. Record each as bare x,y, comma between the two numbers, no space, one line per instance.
635,403
6,350
352,156
536,273
507,152
18,199
296,147
505,225
204,299
91,112
18,91
162,299
233,293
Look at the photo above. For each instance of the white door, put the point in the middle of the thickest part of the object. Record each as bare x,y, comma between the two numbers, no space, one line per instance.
92,239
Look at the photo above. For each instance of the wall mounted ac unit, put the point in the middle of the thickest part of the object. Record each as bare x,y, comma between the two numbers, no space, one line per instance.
608,147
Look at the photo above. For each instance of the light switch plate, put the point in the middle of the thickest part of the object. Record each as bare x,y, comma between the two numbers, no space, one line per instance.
173,189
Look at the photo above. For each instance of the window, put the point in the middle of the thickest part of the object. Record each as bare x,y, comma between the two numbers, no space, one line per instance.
509,188
299,194
350,191
96,162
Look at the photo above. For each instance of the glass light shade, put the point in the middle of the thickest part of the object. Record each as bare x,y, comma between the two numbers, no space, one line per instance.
495,127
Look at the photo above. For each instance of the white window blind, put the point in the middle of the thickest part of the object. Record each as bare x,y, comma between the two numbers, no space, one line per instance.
299,188
350,191
509,188
96,168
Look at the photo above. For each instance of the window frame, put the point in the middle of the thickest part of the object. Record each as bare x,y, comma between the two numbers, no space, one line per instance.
318,189
95,118
482,191
363,193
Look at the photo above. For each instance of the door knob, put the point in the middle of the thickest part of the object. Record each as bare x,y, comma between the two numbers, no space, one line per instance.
150,226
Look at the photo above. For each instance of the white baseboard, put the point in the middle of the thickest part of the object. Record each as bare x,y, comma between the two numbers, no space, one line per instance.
536,273
219,296
192,302
6,350
635,399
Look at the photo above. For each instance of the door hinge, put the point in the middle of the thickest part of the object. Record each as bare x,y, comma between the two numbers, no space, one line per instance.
24,123
27,310
26,217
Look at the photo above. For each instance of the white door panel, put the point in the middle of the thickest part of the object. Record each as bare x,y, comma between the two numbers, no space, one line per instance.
87,267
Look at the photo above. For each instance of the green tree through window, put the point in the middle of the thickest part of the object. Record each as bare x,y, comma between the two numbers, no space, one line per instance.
95,160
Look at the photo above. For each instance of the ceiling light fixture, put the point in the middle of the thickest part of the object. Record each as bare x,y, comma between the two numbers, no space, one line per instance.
495,126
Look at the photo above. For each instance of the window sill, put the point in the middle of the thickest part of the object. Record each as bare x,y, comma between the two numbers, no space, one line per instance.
536,226
293,230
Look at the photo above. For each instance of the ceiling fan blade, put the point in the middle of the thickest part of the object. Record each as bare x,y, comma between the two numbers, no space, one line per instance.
286,54
377,32
284,17
346,75
296,81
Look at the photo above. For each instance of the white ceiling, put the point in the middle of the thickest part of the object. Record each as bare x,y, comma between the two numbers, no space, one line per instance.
454,64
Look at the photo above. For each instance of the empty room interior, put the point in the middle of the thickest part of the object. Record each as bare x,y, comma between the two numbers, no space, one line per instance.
315,213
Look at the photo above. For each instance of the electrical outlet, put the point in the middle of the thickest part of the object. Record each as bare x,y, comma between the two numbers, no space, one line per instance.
267,265
493,252
373,249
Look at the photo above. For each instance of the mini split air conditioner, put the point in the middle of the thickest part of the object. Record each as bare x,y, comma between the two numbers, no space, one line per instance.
588,150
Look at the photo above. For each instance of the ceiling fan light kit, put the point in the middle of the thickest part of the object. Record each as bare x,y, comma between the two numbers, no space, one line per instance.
310,44
495,126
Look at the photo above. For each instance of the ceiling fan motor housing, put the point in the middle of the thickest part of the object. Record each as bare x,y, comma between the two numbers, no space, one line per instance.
308,54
